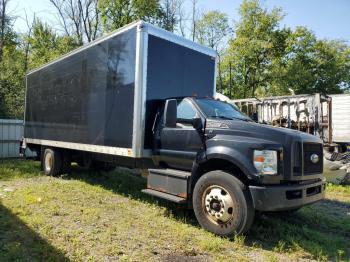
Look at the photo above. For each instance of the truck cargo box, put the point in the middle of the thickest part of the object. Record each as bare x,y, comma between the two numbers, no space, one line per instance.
101,97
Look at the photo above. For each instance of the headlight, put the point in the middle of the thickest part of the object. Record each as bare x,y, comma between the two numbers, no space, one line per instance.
265,161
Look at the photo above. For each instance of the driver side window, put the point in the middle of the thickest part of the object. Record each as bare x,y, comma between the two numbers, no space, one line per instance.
185,112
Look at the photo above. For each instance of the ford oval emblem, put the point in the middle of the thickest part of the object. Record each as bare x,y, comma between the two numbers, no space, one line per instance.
314,158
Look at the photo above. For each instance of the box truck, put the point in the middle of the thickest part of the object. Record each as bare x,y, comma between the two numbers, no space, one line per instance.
142,97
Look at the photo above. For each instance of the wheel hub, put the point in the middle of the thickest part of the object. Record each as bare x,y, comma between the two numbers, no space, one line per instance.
215,205
218,204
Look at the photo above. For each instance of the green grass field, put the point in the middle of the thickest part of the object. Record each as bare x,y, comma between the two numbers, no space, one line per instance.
93,216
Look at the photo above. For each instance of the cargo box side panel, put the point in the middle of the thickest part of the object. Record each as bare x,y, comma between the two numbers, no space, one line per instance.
87,97
174,70
341,118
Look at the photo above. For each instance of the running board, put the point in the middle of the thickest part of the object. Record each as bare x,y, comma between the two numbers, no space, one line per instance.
169,181
166,196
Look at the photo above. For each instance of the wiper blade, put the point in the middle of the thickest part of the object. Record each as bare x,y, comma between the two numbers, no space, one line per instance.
232,118
223,117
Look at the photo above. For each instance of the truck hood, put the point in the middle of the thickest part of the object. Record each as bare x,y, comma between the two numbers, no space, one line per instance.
240,138
254,130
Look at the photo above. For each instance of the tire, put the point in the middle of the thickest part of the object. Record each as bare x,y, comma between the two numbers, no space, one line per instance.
52,162
235,216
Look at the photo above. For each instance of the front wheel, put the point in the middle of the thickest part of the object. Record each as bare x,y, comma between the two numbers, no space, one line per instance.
222,205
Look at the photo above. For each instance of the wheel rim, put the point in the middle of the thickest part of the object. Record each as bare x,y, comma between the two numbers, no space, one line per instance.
48,162
218,205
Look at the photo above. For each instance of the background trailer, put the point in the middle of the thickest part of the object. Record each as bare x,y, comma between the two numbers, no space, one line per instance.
327,117
102,97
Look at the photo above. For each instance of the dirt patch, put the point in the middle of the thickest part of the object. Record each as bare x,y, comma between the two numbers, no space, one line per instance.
185,258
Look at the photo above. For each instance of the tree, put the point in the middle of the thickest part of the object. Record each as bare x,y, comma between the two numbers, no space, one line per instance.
79,18
3,25
12,83
7,35
169,15
32,50
313,65
212,28
266,60
258,43
24,43
10,57
46,44
182,17
194,19
117,13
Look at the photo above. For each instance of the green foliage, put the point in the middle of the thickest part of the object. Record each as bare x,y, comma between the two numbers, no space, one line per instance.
11,83
212,28
11,77
252,53
9,68
117,13
46,45
265,59
315,65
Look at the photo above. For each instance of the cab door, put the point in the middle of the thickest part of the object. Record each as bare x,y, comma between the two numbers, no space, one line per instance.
178,146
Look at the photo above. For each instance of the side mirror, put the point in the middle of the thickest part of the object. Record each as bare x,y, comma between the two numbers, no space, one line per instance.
170,113
197,123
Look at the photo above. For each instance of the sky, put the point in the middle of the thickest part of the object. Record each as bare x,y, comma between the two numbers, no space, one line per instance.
328,19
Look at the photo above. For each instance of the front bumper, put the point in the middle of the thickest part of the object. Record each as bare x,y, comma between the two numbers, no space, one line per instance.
284,197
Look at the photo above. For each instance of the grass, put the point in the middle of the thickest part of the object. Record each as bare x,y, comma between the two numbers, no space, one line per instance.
95,216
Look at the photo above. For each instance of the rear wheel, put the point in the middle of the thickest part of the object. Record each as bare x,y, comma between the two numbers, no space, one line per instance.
52,162
222,205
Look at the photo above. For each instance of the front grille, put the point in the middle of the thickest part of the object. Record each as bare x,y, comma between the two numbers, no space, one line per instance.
309,167
298,159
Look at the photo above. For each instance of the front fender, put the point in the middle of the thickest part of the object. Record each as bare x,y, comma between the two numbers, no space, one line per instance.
242,161
238,150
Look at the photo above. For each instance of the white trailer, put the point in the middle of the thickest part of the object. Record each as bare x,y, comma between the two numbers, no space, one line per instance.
341,118
325,116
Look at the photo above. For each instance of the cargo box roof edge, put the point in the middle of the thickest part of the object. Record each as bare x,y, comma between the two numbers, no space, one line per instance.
151,29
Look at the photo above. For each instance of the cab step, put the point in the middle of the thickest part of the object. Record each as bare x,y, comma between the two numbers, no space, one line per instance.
163,195
171,184
170,172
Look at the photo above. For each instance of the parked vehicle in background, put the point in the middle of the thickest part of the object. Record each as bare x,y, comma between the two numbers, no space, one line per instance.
320,115
141,97
340,121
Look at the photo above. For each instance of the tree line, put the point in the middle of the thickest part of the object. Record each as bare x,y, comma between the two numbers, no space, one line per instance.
256,56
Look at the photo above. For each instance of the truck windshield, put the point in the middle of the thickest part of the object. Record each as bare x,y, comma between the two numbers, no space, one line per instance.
218,109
